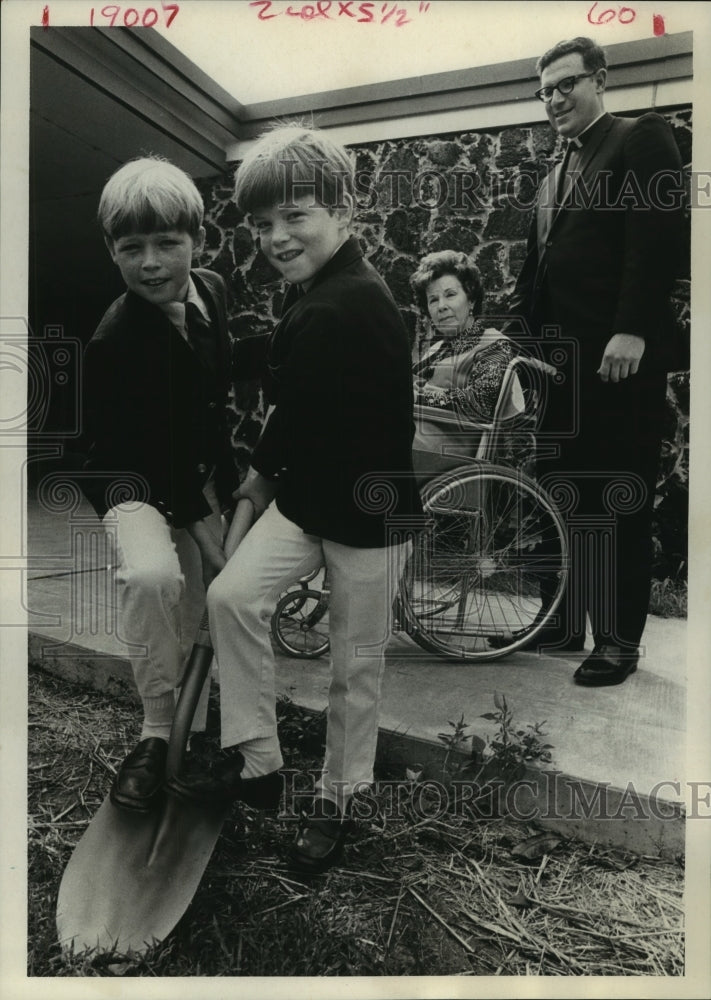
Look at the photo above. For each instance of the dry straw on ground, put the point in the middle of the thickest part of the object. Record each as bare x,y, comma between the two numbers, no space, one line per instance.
434,896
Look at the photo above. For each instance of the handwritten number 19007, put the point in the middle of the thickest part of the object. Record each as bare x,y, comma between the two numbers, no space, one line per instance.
129,17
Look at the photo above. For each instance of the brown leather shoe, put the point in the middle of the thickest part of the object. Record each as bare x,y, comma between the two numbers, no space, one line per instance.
319,840
140,777
223,783
607,665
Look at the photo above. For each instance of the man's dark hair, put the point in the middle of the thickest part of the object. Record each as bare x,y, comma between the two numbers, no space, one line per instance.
594,57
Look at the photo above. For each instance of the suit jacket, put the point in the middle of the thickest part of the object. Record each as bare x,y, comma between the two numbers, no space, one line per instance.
155,413
339,440
604,259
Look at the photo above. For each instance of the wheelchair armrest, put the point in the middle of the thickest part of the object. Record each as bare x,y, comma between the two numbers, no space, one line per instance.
526,360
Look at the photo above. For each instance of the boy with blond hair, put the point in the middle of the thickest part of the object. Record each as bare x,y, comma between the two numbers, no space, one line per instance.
160,468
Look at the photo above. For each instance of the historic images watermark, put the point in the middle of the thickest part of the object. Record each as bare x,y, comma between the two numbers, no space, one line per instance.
550,796
468,190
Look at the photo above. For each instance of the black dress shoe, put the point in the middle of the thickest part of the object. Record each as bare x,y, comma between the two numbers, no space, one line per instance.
319,840
140,777
223,784
607,665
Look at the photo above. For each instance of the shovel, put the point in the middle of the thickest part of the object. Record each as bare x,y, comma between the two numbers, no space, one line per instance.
132,875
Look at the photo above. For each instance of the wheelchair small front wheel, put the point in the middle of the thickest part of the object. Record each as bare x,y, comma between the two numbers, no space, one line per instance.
299,624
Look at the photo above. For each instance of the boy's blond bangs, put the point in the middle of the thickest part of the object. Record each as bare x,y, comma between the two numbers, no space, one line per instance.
293,162
150,195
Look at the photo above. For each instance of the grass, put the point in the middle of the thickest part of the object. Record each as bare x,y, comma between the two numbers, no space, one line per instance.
445,895
669,598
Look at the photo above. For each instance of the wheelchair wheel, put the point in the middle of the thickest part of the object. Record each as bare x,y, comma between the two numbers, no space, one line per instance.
300,624
494,543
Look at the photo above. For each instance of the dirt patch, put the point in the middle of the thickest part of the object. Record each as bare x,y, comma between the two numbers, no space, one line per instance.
414,896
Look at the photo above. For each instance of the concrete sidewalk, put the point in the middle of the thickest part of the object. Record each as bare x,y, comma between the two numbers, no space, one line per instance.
627,741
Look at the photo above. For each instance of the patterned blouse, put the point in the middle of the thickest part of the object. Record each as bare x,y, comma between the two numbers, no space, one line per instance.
478,399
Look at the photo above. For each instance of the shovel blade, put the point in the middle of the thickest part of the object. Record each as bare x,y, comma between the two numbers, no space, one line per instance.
132,875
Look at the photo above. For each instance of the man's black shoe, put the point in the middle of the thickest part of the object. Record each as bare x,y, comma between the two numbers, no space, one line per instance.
319,840
140,777
607,665
224,784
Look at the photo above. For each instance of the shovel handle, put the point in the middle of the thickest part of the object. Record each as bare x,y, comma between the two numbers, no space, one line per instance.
201,656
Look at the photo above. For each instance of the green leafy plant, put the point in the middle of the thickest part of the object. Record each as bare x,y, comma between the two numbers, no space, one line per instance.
512,749
454,742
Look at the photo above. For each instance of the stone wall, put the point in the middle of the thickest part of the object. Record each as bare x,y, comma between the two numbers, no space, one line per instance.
469,191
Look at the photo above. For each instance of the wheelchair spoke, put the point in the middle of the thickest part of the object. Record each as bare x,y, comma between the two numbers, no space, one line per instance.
494,545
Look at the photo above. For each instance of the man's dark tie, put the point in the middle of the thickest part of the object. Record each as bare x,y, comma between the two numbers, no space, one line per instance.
570,169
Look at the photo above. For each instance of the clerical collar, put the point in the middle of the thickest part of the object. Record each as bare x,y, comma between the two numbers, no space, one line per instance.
579,140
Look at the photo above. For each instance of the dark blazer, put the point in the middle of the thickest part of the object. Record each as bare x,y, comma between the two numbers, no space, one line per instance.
155,414
604,260
600,263
337,369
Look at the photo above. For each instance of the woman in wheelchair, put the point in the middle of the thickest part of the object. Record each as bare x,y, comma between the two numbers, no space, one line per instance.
466,390
461,364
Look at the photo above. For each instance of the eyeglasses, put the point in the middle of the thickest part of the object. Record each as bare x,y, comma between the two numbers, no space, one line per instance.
564,86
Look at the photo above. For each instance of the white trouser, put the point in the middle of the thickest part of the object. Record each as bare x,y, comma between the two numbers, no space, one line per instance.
363,584
160,598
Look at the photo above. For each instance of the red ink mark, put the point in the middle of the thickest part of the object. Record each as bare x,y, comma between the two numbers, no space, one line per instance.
658,22
424,7
265,5
173,8
111,11
366,9
603,17
45,17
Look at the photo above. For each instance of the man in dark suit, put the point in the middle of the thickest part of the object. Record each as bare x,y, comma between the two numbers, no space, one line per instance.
601,260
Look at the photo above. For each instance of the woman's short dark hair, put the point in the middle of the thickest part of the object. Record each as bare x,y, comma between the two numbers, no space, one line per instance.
437,265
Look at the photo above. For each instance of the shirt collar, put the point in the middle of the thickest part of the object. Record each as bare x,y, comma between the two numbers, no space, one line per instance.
175,311
579,140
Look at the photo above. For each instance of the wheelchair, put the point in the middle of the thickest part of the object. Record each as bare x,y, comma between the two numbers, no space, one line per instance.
488,571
